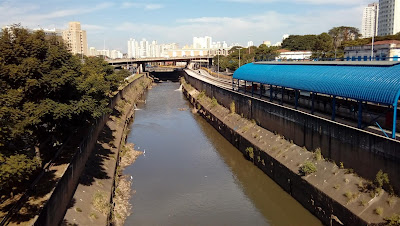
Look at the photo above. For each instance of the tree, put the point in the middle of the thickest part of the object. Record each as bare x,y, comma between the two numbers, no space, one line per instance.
46,93
299,42
323,47
342,34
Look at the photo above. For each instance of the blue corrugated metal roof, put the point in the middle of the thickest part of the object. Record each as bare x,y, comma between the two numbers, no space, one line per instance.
368,83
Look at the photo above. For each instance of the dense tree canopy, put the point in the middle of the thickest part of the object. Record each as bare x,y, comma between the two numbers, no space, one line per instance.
299,42
247,55
45,93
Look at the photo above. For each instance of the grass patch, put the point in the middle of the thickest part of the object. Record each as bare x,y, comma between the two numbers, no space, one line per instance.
93,216
337,186
100,202
341,166
307,168
79,210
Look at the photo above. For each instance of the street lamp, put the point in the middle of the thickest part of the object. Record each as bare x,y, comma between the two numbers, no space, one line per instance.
218,62
373,35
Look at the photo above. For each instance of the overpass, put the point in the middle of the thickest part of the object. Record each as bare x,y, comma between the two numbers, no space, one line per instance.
158,61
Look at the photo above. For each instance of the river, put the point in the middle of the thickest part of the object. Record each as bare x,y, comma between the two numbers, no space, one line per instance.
190,175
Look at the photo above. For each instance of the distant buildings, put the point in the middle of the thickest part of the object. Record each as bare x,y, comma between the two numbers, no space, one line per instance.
144,48
383,50
75,38
389,17
369,23
250,43
293,55
267,43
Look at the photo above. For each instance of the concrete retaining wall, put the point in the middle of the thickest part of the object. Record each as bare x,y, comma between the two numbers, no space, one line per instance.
362,151
55,208
313,199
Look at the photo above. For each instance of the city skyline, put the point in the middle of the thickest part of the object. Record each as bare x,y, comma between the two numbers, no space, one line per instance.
176,21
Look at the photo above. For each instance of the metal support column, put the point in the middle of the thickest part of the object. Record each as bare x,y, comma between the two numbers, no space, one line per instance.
238,81
359,114
233,84
261,89
296,104
252,89
333,108
245,86
394,120
270,93
312,102
283,90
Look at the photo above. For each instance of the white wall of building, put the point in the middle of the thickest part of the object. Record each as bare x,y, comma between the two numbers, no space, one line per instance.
369,23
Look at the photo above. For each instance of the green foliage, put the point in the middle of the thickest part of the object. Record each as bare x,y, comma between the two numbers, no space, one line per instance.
394,220
247,55
250,152
307,168
232,107
214,102
382,182
318,154
16,169
46,92
300,42
379,211
201,95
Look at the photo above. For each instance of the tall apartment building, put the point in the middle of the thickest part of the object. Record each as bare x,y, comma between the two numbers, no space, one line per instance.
75,38
369,23
389,17
145,48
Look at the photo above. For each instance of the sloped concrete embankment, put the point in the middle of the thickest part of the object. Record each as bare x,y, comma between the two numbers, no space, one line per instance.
333,194
55,208
365,152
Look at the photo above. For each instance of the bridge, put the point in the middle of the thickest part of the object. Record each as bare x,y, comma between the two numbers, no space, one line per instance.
140,63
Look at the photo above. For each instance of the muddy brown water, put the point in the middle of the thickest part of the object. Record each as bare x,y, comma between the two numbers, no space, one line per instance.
191,175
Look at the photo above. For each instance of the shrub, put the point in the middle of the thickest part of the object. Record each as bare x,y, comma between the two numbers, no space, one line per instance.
250,152
379,211
201,95
214,102
393,220
318,154
232,107
307,168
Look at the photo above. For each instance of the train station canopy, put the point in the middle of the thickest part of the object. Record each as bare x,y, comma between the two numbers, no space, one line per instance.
377,82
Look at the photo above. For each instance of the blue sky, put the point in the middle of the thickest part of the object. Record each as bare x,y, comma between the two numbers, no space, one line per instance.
179,20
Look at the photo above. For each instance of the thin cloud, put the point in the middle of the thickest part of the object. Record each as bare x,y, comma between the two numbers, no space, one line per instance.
142,6
310,2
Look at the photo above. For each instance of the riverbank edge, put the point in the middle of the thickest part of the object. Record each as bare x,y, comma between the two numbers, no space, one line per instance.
59,198
101,188
305,190
121,154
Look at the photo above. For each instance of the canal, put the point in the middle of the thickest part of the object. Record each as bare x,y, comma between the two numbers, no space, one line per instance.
190,175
